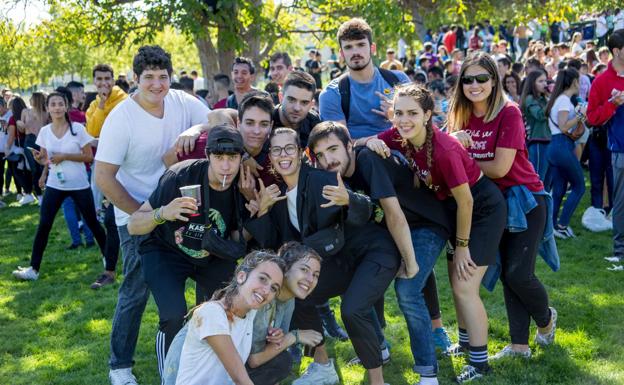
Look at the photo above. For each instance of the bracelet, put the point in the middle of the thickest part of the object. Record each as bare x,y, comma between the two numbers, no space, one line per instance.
296,333
460,242
157,217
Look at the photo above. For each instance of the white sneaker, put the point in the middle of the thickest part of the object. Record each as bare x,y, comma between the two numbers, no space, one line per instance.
122,377
509,352
317,374
548,338
595,220
613,259
18,197
26,199
616,268
25,273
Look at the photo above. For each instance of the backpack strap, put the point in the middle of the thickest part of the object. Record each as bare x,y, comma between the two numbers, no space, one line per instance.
344,87
389,76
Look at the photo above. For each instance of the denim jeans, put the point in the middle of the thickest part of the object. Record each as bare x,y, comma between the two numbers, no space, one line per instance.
617,161
538,152
427,245
600,169
71,218
131,301
565,169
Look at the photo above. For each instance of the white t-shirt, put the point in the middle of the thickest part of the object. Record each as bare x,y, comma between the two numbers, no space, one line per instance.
601,26
199,364
291,199
74,173
4,122
136,141
563,103
618,20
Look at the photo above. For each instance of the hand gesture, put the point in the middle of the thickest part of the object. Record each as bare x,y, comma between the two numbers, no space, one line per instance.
253,207
246,183
336,195
103,93
267,197
275,336
176,209
464,265
38,155
464,138
252,165
379,146
385,106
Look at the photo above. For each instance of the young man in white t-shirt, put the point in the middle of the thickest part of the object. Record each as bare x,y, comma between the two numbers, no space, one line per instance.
133,140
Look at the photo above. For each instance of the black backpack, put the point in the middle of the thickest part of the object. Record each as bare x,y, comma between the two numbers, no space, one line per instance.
344,87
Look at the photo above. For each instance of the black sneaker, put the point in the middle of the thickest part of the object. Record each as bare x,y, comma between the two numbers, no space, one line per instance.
73,246
102,280
89,245
470,373
331,327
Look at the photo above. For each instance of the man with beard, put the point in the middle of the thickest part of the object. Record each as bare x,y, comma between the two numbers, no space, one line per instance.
295,110
280,66
367,89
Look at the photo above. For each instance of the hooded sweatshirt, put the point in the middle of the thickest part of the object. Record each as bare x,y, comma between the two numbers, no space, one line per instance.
96,115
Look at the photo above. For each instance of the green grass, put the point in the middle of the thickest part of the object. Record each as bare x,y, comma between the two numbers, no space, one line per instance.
56,330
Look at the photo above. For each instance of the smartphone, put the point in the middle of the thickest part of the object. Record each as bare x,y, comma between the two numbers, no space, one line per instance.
32,149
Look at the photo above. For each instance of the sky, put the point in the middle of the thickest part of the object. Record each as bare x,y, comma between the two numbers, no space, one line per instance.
28,12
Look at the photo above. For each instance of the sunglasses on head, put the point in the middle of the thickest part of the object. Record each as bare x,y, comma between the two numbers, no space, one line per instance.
481,78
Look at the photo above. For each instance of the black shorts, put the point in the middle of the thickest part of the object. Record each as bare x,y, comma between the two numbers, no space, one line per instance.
489,218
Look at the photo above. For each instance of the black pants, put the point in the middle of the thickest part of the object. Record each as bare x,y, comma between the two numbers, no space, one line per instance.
273,371
111,251
361,286
430,292
2,163
525,296
16,174
35,168
52,201
166,272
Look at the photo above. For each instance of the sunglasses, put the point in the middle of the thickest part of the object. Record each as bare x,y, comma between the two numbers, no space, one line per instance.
481,78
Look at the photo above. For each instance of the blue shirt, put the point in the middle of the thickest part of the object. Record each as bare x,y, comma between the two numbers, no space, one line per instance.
362,121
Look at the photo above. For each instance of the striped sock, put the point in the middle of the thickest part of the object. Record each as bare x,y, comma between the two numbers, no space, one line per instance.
479,357
463,338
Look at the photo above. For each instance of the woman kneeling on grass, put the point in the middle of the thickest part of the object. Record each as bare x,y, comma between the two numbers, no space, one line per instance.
440,161
269,362
493,130
65,146
220,331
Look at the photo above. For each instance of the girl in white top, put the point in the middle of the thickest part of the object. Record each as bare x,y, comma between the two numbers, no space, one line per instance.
220,332
65,147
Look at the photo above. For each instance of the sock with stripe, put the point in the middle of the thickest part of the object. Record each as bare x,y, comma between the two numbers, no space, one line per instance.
463,338
479,357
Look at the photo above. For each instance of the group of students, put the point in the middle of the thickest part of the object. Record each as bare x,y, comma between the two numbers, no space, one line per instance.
349,205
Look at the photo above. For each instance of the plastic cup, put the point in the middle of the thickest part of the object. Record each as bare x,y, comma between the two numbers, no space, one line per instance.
192,191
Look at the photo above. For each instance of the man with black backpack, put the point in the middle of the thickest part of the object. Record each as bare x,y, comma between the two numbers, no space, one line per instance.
359,98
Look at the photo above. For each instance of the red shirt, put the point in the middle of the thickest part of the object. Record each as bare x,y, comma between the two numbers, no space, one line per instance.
505,131
19,136
75,115
451,165
220,104
599,109
449,40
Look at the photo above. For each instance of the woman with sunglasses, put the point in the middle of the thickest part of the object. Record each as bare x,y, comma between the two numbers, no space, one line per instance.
493,131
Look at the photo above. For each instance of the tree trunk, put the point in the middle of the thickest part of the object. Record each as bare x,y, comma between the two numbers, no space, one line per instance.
208,58
417,18
226,52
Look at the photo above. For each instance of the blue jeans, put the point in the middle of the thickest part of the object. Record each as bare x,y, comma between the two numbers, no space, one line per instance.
599,170
565,168
71,218
538,152
617,161
427,245
133,296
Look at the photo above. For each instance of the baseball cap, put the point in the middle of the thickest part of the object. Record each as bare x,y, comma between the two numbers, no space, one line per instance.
224,139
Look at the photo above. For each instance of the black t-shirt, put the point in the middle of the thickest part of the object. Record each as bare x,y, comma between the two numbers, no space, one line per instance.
217,212
306,125
384,178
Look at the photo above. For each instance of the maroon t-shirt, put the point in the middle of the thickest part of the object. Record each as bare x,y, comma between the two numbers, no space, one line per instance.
451,165
77,116
505,131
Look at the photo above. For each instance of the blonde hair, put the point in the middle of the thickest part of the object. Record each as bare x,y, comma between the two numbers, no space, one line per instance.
460,107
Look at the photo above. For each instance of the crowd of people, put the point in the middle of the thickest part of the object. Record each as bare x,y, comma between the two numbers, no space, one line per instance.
269,199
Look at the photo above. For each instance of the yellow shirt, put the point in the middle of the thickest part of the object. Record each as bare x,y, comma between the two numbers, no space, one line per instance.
96,115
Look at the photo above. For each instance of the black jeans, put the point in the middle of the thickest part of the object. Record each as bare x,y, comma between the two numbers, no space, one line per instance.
166,272
111,251
361,286
52,201
525,296
430,292
272,371
15,173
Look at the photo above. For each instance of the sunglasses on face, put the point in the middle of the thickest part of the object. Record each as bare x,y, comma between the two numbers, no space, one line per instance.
289,149
481,78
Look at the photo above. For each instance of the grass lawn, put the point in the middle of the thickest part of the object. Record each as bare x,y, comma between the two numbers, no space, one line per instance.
56,330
